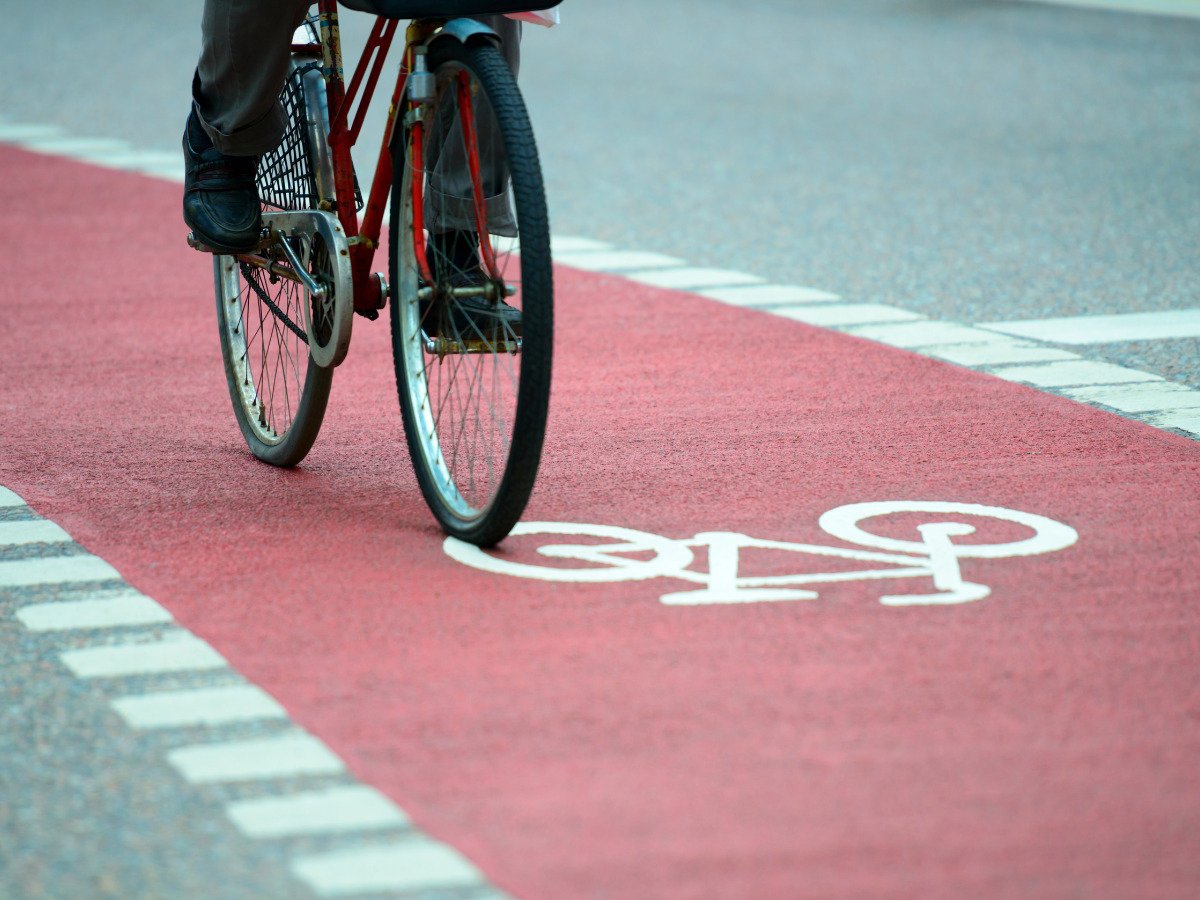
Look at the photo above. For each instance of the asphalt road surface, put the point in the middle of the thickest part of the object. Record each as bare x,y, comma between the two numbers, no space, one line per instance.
220,679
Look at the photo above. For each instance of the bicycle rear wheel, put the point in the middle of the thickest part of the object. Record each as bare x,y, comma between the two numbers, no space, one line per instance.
279,393
474,384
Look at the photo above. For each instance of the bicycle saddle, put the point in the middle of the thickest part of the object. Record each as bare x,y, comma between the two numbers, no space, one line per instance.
425,9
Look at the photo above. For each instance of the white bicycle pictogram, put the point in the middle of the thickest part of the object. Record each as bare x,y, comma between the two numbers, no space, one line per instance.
935,556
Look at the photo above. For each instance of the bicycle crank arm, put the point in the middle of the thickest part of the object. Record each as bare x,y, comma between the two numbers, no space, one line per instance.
317,291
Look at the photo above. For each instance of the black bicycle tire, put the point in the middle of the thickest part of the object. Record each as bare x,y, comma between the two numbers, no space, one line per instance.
300,436
533,393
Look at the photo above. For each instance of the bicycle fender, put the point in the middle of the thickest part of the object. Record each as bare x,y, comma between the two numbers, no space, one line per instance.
465,31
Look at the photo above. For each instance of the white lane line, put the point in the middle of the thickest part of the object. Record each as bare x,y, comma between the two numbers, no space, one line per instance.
337,809
129,608
200,706
419,864
1183,8
176,653
767,295
1155,396
836,314
286,756
1143,326
569,243
78,147
54,570
616,260
1183,419
690,278
925,333
1069,374
17,132
31,531
1000,353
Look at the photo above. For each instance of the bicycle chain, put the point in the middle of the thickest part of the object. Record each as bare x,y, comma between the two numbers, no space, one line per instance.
275,310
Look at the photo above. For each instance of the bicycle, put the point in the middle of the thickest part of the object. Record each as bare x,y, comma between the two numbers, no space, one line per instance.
468,237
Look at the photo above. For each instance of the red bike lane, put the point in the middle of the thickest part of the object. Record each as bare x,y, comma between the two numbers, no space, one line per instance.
587,739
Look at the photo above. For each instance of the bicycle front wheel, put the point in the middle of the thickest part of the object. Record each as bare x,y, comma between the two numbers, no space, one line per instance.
472,322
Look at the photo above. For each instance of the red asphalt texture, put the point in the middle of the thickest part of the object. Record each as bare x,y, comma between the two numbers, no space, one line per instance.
586,740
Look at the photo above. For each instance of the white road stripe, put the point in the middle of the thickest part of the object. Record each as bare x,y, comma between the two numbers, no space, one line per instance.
31,531
1079,372
1183,419
1143,326
176,653
767,295
1000,353
199,706
690,278
1182,8
925,333
615,260
279,757
130,608
419,864
566,243
835,314
19,133
78,147
338,809
1154,396
54,570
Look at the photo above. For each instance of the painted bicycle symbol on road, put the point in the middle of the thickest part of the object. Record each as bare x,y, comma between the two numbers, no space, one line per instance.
614,554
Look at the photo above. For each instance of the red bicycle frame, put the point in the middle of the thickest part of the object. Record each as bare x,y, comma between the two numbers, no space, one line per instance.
369,295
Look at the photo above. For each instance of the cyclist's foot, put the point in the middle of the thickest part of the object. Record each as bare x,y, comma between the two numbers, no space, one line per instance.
220,200
454,256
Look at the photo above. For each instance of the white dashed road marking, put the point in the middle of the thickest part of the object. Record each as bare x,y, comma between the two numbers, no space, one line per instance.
123,609
33,531
328,811
54,570
276,757
1142,326
1074,372
690,278
199,706
411,865
180,652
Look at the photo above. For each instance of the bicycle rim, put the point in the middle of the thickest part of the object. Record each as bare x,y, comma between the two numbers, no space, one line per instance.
474,398
279,395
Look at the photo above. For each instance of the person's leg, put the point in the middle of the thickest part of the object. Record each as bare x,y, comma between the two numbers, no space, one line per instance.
235,116
242,68
450,208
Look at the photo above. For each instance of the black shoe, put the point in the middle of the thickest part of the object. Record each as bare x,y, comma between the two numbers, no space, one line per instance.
220,200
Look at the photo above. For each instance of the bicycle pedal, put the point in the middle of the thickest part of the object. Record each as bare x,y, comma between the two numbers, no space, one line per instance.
196,244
